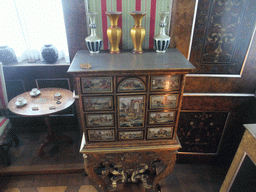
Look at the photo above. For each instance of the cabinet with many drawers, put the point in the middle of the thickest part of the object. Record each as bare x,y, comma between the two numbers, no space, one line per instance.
126,98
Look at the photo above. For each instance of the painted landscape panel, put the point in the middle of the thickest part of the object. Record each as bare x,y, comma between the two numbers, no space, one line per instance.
161,117
131,84
101,135
100,120
127,135
165,83
131,111
98,103
158,133
163,101
97,84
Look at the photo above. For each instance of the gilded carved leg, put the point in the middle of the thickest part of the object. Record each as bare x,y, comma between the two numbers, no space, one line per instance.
129,167
168,159
139,174
97,181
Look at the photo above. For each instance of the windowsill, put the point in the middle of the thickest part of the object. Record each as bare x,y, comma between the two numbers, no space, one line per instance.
25,63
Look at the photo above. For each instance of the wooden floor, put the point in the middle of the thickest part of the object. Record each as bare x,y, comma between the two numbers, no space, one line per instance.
184,178
25,159
62,171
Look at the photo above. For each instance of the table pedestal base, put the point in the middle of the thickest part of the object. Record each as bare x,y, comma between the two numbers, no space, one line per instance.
52,137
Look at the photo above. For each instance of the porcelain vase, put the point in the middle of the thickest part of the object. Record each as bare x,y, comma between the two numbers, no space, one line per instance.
49,53
137,32
93,42
7,55
162,41
114,32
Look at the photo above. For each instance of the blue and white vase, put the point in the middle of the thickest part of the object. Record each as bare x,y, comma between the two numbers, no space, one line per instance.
93,42
7,55
162,41
50,53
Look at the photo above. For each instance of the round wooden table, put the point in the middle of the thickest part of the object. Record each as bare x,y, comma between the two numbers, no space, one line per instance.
43,105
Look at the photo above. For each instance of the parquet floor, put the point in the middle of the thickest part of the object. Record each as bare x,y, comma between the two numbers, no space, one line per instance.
25,159
62,171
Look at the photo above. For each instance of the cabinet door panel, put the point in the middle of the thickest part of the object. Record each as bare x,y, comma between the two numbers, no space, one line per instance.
131,111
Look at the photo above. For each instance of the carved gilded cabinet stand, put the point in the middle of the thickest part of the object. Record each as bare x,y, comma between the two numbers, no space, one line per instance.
128,108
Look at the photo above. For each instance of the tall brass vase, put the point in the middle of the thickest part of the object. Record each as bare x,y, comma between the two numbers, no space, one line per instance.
114,32
137,32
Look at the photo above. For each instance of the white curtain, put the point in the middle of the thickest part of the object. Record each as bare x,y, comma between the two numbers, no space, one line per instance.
26,25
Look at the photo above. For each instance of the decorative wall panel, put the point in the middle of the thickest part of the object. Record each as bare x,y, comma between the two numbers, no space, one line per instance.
222,35
213,103
150,22
200,132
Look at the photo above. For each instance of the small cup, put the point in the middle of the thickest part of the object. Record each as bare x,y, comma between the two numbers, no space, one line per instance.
34,90
57,95
20,100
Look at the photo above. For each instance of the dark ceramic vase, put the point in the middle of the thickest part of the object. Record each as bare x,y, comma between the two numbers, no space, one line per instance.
49,53
7,55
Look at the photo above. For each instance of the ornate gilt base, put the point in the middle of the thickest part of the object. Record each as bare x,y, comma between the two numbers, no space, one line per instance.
128,167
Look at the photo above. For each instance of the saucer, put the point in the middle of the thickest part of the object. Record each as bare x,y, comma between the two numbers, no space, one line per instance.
21,104
35,94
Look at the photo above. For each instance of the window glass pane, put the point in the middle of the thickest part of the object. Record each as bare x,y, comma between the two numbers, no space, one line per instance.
29,24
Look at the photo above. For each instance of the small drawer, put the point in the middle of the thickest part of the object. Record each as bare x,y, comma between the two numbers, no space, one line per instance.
131,135
165,83
100,120
98,103
97,85
163,101
101,135
131,84
161,117
160,132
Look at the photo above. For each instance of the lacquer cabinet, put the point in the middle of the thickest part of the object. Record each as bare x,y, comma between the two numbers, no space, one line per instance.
130,98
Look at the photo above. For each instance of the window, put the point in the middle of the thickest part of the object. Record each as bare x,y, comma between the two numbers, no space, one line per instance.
26,25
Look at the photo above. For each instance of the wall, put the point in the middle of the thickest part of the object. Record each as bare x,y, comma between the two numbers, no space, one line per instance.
219,96
220,85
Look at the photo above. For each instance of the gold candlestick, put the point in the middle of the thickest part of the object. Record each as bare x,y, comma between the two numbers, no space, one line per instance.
137,32
114,32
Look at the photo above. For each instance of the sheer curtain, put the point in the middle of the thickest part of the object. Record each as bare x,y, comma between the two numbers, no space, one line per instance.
26,25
